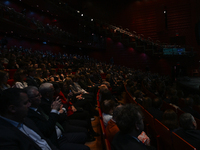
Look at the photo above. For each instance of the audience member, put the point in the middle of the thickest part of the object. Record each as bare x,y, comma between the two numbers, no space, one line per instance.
188,130
188,108
130,122
155,109
48,124
31,81
19,78
3,80
107,109
170,120
18,132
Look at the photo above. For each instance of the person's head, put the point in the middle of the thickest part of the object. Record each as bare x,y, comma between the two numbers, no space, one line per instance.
173,92
169,119
53,71
102,88
138,94
129,120
108,106
157,102
19,75
47,90
34,96
187,122
3,77
174,100
31,72
14,104
116,111
147,102
39,72
106,94
68,81
188,101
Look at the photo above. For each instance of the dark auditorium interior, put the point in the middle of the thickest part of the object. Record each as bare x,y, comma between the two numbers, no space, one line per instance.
138,51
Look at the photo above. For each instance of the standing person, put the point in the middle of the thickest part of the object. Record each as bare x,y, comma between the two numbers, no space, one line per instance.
16,131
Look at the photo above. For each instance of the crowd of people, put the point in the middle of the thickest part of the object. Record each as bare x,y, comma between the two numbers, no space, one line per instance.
33,23
52,101
55,91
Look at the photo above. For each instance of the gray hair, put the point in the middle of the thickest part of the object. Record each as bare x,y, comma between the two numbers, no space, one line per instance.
29,91
45,87
186,121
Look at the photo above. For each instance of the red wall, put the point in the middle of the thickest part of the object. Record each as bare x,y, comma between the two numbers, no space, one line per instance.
147,17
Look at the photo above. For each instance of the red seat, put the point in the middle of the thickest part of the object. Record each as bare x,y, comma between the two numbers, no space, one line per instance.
10,82
164,141
103,129
198,123
166,106
103,75
180,143
107,143
11,73
150,122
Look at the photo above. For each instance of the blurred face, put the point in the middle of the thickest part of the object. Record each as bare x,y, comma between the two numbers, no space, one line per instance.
35,99
6,77
23,76
22,109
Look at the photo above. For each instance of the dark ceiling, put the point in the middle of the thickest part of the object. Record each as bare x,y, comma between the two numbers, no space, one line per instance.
99,9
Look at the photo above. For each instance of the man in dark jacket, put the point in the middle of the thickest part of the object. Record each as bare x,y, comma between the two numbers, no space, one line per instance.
189,130
16,131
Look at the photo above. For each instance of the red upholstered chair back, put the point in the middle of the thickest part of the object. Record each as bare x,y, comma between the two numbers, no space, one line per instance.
180,143
164,134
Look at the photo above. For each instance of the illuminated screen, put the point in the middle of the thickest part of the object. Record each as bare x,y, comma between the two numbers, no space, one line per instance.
173,51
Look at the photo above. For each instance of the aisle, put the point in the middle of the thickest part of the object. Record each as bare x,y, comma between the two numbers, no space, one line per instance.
96,145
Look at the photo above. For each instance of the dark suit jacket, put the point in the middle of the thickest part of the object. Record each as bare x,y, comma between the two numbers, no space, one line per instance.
31,82
47,127
126,142
191,136
45,106
12,138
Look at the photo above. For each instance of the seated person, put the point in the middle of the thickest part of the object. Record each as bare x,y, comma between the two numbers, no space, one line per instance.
155,109
19,78
130,123
170,120
188,130
107,109
138,96
49,124
3,80
18,132
188,107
